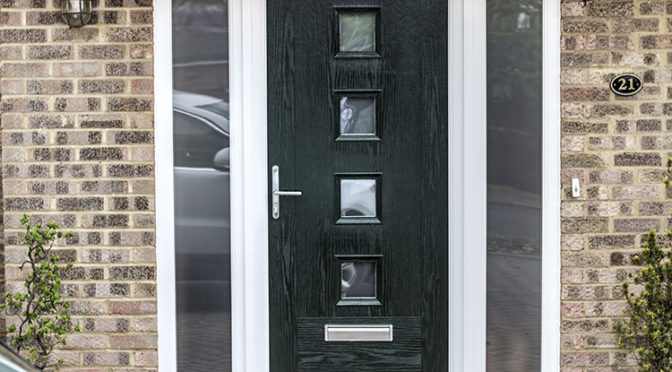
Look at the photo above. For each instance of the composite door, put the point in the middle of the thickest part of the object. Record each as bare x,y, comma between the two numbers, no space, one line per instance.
358,161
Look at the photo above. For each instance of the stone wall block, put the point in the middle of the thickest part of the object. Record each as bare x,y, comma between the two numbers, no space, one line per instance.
584,25
608,276
585,259
129,69
583,161
141,17
582,326
129,104
584,127
101,86
22,36
637,159
50,87
133,341
132,307
49,52
75,35
612,143
636,224
108,325
107,358
635,192
630,24
611,241
81,69
129,34
82,341
77,104
610,176
102,52
609,209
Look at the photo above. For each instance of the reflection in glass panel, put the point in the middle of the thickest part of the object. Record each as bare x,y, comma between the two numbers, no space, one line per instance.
201,176
514,185
358,198
358,31
358,280
358,115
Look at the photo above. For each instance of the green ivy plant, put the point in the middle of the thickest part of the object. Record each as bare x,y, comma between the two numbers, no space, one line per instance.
648,331
44,317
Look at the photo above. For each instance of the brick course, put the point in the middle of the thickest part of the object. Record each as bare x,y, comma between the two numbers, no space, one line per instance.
77,149
617,147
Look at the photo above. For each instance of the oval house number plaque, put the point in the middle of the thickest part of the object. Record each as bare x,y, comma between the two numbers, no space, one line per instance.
626,84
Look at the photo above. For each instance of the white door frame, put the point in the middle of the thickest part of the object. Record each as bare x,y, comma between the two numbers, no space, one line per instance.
551,190
249,170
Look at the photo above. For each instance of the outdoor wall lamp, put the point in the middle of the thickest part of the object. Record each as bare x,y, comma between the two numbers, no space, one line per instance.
76,13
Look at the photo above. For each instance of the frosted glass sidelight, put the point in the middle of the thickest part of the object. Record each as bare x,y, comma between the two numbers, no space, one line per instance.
358,115
514,37
201,175
358,198
358,280
357,31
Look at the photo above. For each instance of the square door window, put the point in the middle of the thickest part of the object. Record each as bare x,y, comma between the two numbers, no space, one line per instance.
357,115
358,280
358,198
357,32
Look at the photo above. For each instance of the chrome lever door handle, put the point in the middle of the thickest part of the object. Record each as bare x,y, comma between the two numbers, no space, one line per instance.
287,193
277,193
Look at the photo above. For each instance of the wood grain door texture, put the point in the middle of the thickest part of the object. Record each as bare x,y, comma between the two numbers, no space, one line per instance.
358,122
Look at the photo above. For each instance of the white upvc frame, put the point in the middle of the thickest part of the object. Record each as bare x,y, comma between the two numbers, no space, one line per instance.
467,172
165,217
467,191
249,188
551,190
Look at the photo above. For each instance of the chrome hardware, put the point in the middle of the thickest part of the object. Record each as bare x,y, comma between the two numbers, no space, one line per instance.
277,193
358,333
287,193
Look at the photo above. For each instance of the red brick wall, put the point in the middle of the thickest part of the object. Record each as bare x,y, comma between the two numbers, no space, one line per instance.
617,148
77,149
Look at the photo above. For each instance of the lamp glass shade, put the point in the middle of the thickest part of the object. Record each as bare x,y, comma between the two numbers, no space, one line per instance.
76,13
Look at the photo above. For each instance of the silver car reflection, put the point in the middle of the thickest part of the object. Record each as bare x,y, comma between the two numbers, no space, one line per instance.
202,200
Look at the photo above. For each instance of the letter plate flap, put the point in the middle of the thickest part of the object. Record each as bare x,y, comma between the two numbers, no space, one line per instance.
358,333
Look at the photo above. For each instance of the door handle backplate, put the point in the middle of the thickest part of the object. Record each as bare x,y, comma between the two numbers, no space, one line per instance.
277,193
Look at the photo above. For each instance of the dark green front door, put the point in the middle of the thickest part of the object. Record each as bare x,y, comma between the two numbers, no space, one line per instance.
358,122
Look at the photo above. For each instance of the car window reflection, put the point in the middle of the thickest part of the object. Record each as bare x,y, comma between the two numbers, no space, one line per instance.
200,130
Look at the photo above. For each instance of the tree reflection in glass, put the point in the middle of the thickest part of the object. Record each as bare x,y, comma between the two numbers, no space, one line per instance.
357,31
